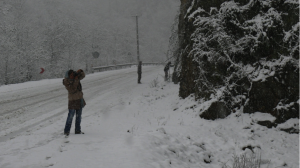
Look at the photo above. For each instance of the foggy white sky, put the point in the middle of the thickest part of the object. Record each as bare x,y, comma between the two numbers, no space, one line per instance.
155,19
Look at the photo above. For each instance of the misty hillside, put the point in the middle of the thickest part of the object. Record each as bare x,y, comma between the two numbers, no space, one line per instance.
60,34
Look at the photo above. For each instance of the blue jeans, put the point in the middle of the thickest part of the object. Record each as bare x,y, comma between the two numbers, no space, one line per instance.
70,119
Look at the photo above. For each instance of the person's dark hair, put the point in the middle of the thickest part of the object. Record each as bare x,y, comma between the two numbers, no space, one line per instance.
70,72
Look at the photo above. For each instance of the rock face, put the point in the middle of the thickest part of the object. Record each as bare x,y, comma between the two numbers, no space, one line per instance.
243,53
187,76
215,111
277,95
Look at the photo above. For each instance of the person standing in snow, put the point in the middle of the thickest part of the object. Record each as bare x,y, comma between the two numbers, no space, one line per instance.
166,69
75,97
139,72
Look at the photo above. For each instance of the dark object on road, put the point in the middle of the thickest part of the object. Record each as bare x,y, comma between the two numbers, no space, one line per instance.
139,72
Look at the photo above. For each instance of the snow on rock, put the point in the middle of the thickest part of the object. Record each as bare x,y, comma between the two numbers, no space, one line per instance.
292,1
262,117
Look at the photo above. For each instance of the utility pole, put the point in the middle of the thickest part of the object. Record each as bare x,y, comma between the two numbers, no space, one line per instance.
139,63
137,38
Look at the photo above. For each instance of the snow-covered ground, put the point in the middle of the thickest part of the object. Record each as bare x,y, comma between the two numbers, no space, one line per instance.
130,125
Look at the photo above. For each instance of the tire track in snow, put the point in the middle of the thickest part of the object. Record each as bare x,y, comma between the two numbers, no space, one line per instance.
15,102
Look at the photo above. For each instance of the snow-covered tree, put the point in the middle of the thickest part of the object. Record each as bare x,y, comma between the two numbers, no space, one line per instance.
235,49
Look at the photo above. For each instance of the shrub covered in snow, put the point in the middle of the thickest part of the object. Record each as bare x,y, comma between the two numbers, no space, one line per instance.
247,50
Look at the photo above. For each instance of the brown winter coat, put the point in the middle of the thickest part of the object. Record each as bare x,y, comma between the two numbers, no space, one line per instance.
75,94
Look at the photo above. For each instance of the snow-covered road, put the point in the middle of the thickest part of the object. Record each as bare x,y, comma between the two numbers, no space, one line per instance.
33,115
26,106
130,125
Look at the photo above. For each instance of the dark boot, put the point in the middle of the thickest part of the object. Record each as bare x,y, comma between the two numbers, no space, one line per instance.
80,132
